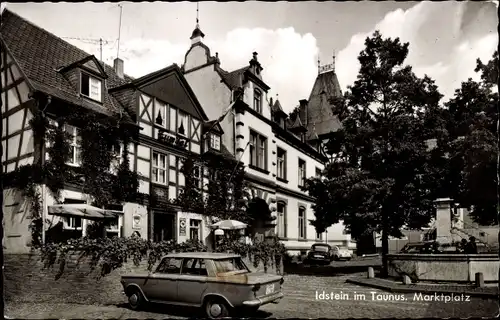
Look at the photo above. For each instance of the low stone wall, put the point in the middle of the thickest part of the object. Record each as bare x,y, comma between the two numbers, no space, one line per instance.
26,280
444,267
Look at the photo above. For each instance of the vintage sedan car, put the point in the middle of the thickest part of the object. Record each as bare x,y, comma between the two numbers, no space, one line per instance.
220,283
320,253
342,253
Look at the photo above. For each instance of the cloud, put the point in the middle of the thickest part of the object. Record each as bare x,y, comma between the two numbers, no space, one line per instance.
288,58
445,40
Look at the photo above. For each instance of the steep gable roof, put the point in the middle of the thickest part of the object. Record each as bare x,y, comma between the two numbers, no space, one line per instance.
174,87
319,109
234,79
40,53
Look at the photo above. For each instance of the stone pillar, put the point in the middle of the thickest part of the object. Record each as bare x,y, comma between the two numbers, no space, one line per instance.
443,220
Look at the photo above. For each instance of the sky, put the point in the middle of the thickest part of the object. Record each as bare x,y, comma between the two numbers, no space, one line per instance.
445,38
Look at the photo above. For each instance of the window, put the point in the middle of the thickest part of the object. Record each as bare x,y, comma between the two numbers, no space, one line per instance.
195,267
75,149
318,173
230,265
74,223
161,114
258,150
281,169
170,265
194,229
302,223
197,176
281,208
302,173
182,123
90,87
257,101
159,168
117,158
319,236
215,141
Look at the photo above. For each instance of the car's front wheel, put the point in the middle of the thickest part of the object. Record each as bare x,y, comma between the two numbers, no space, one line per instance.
216,308
135,299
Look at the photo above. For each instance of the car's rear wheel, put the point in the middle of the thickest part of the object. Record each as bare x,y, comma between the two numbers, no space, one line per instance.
135,299
216,308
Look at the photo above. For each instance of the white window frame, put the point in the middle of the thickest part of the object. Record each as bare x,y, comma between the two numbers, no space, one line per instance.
197,177
215,141
116,162
302,223
75,147
156,166
319,236
180,116
93,83
196,226
281,220
158,106
302,173
70,222
257,100
281,163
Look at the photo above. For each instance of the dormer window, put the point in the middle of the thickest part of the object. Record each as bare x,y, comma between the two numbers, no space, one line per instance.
257,100
215,142
91,87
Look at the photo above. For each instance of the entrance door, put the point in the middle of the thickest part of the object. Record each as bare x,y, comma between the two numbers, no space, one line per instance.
164,227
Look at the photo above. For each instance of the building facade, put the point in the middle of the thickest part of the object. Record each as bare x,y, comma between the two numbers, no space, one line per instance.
279,153
41,71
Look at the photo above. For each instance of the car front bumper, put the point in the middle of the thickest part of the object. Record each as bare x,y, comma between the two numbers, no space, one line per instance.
274,298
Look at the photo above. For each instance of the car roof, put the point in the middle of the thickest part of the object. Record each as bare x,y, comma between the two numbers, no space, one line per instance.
202,255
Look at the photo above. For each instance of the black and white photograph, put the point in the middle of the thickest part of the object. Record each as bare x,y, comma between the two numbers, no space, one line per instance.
253,159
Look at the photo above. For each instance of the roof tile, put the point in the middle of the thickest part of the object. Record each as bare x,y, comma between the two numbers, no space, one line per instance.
40,53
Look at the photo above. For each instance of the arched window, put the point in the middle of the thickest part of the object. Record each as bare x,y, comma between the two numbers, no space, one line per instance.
302,222
257,100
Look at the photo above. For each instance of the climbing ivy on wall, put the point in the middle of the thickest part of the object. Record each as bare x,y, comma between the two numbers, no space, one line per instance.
99,136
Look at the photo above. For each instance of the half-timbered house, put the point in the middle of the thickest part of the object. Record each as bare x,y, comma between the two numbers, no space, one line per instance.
40,71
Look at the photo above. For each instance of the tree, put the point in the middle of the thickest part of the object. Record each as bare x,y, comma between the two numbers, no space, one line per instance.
382,176
471,144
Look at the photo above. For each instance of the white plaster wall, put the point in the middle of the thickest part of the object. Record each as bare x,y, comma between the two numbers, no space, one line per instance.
196,57
292,163
205,228
16,221
214,97
129,211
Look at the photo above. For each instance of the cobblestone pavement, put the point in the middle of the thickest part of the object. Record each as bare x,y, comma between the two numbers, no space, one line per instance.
300,301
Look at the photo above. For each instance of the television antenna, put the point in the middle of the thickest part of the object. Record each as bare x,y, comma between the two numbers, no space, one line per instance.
99,42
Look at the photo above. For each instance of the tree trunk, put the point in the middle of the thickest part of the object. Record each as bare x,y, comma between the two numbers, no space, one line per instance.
385,244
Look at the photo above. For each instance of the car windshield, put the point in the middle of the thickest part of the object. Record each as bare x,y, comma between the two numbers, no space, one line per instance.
230,265
321,248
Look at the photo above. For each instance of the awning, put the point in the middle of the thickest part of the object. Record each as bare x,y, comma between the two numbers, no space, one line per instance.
84,211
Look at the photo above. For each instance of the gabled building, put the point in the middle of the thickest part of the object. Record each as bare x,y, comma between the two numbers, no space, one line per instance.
279,153
40,71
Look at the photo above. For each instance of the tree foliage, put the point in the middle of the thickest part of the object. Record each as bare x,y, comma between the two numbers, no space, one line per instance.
470,144
382,175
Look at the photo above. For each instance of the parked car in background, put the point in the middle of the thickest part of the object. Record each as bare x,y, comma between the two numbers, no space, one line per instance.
321,253
219,283
342,253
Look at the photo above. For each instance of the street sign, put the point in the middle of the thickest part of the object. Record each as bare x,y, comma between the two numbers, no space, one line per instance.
182,227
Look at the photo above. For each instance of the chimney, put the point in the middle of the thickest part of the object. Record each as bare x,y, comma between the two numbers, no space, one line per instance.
255,56
118,66
271,101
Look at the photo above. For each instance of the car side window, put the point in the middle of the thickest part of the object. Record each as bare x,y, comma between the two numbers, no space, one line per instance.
170,265
194,267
